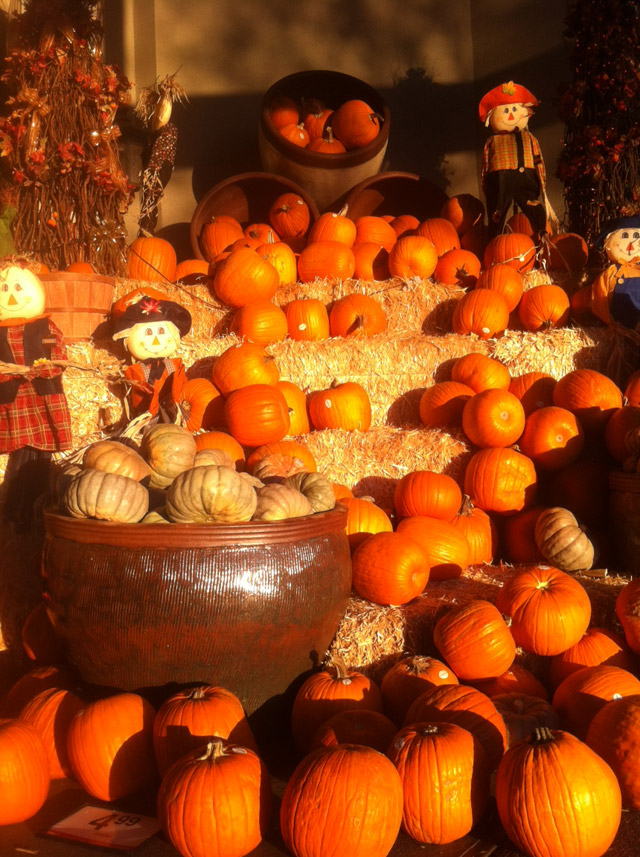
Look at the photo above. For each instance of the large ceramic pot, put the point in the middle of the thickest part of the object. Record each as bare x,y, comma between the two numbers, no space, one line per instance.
245,606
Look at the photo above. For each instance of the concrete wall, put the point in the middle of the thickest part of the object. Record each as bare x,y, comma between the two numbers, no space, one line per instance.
432,60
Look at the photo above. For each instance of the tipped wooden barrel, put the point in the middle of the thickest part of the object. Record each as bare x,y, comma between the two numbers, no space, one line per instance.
395,193
325,177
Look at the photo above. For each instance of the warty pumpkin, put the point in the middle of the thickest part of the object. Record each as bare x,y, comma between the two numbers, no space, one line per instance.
168,450
316,488
280,502
105,496
114,457
213,493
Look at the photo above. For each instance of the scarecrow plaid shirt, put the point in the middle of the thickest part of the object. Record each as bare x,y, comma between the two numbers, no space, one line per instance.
42,422
513,150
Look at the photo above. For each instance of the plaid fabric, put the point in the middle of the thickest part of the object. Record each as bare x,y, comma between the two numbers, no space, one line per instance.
512,150
42,422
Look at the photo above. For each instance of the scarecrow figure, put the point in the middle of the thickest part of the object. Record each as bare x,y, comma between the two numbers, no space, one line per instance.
34,416
154,107
151,330
513,170
615,294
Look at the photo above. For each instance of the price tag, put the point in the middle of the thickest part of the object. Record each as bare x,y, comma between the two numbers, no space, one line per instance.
96,825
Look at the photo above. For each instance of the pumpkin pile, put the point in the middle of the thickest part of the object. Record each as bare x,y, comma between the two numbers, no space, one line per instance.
311,124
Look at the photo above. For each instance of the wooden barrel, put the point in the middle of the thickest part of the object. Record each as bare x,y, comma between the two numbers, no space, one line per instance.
395,193
624,520
326,177
246,606
247,197
78,303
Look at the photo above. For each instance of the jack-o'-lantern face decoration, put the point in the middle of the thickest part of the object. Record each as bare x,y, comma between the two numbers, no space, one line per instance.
623,245
153,340
509,117
21,294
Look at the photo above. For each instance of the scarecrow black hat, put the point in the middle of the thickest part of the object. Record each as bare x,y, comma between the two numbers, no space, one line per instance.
150,309
614,225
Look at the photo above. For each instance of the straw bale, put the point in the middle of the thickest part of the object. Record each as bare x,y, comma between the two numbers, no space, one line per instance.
372,637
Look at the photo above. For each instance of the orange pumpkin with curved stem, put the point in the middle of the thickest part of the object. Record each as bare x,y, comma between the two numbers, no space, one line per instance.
289,215
410,677
218,234
257,414
307,320
316,122
325,259
483,312
441,232
480,530
297,402
427,493
442,404
243,364
264,231
189,718
504,279
389,568
327,144
371,262
474,640
458,267
244,276
260,321
500,479
447,547
357,315
355,124
493,418
334,226
534,389
370,228
296,134
413,256
480,372
343,406
544,307
549,610
552,437
327,692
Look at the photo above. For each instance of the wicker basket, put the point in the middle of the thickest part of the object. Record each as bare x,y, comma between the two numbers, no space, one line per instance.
78,303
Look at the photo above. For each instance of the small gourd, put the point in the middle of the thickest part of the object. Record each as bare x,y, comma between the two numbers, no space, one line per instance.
562,541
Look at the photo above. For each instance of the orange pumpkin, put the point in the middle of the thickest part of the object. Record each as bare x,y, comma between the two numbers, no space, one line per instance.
151,259
464,211
293,448
364,519
356,726
343,406
513,249
192,272
307,320
315,121
357,315
372,229
517,679
441,232
447,547
483,312
327,144
297,402
80,268
480,531
283,110
517,536
325,260
544,307
333,226
413,256
534,389
218,234
243,364
493,418
583,693
590,395
480,372
283,259
389,568
257,414
222,440
614,734
50,713
355,124
405,224
200,404
427,493
371,262
289,215
244,276
442,404
523,714
259,321
24,772
597,646
500,480
552,437
296,134
619,423
567,251
458,267
407,679
504,279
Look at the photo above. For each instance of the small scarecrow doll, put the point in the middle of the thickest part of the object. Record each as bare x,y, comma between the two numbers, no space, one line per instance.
615,293
34,416
154,107
151,330
513,170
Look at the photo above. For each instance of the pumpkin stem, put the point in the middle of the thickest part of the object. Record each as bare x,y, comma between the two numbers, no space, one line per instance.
541,735
214,750
428,729
340,667
197,693
467,506
419,665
